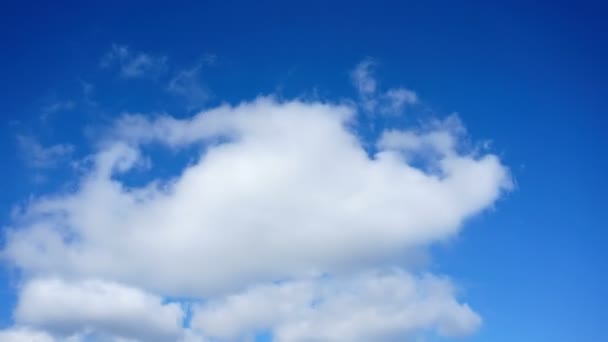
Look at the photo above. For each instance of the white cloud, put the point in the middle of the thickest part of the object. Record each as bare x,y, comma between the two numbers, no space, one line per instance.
22,334
283,222
392,101
372,306
134,64
92,306
440,139
29,334
38,156
290,192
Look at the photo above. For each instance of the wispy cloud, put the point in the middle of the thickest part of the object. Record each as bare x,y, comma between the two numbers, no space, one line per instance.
363,78
396,99
88,91
187,83
87,88
57,106
391,101
38,156
133,64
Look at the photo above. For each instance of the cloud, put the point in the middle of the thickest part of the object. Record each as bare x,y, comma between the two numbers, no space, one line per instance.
372,306
363,78
388,305
440,139
58,107
284,222
187,84
392,101
133,64
38,156
291,192
21,334
85,307
396,99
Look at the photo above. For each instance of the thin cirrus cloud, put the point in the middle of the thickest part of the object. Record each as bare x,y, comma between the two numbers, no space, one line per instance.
187,84
38,156
58,106
184,83
284,224
133,64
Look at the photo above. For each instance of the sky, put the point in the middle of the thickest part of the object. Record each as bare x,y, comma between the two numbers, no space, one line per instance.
307,171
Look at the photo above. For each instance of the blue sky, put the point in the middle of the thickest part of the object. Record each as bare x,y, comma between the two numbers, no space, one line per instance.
529,78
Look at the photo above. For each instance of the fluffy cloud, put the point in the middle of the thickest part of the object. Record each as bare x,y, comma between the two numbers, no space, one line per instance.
372,306
92,306
288,192
22,334
284,222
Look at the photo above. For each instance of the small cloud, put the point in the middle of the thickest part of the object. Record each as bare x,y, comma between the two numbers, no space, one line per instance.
188,85
37,156
363,77
87,88
209,59
392,101
58,106
133,64
397,98
120,52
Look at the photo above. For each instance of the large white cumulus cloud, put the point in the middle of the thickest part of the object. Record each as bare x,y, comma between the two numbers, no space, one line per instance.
281,191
